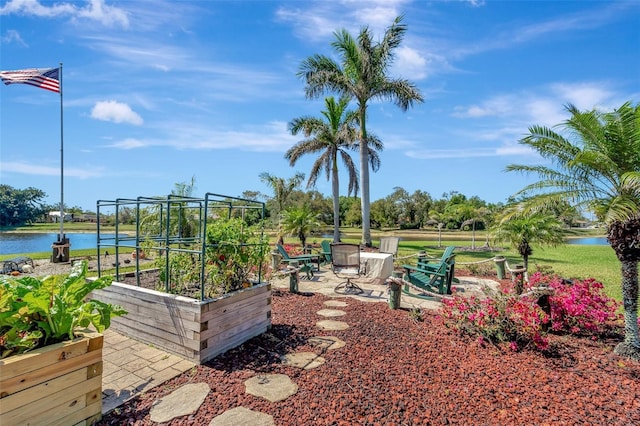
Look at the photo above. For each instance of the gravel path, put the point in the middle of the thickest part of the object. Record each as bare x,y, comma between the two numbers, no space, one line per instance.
395,370
45,267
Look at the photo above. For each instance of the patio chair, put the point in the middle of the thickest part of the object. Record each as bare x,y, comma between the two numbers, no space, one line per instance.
389,245
326,250
437,278
434,265
346,265
305,260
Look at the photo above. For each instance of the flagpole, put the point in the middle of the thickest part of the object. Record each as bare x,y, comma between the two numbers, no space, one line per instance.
61,236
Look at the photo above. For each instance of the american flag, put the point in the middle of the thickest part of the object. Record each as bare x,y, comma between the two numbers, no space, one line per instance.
44,78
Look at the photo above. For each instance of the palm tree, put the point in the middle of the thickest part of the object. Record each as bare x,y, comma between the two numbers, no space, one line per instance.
282,190
362,75
332,137
521,230
299,222
596,167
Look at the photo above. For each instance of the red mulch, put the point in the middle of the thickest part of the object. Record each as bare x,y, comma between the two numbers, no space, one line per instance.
398,371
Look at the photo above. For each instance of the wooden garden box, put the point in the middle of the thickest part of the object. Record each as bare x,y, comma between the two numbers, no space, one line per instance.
192,329
59,384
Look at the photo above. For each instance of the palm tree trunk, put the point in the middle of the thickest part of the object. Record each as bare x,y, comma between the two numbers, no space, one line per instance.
364,178
630,302
335,187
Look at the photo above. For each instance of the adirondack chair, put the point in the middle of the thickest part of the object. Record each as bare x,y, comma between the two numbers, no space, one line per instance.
437,278
434,265
305,260
326,250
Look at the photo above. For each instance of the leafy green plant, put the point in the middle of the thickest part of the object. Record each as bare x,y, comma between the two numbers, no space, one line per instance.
36,312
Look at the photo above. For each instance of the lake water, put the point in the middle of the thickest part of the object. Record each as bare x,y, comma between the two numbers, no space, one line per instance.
17,242
589,241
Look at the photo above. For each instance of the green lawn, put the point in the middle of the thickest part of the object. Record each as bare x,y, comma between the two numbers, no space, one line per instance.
570,261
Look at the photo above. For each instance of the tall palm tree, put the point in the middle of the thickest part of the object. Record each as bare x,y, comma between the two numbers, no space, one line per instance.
282,190
596,167
332,137
361,75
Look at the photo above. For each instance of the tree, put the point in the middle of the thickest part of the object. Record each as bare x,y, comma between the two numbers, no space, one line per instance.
332,138
596,167
361,75
20,206
299,222
282,190
522,230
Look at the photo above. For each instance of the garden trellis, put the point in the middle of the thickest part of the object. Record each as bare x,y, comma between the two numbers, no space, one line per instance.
173,225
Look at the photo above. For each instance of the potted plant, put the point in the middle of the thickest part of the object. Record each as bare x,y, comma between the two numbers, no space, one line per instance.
51,361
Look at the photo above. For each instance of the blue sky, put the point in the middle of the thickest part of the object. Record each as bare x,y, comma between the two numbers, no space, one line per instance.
156,93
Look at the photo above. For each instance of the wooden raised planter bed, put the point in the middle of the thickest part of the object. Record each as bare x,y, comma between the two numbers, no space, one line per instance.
192,329
59,384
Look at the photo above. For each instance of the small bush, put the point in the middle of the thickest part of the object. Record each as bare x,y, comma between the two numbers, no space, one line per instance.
578,308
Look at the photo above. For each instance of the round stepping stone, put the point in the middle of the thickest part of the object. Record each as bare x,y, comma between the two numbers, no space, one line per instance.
332,325
241,416
272,387
181,402
331,313
304,360
326,342
335,303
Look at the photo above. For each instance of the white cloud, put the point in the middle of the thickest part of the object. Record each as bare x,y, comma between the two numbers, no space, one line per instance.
410,64
270,137
12,36
509,150
116,112
40,170
95,10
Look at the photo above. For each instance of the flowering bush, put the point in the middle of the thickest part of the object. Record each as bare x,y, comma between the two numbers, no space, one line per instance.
498,318
578,308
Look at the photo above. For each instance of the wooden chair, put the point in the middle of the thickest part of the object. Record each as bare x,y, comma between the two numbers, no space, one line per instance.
346,265
326,250
434,265
305,260
437,278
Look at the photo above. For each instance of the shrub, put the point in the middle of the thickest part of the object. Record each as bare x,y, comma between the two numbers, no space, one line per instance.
578,308
498,318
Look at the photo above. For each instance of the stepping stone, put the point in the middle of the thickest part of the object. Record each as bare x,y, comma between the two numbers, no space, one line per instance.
326,342
304,360
241,416
332,325
181,402
331,313
336,303
272,387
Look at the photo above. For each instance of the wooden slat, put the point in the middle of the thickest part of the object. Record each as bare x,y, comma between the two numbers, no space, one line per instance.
17,383
220,325
151,295
41,357
211,309
214,313
19,399
51,408
229,343
139,328
158,315
160,302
